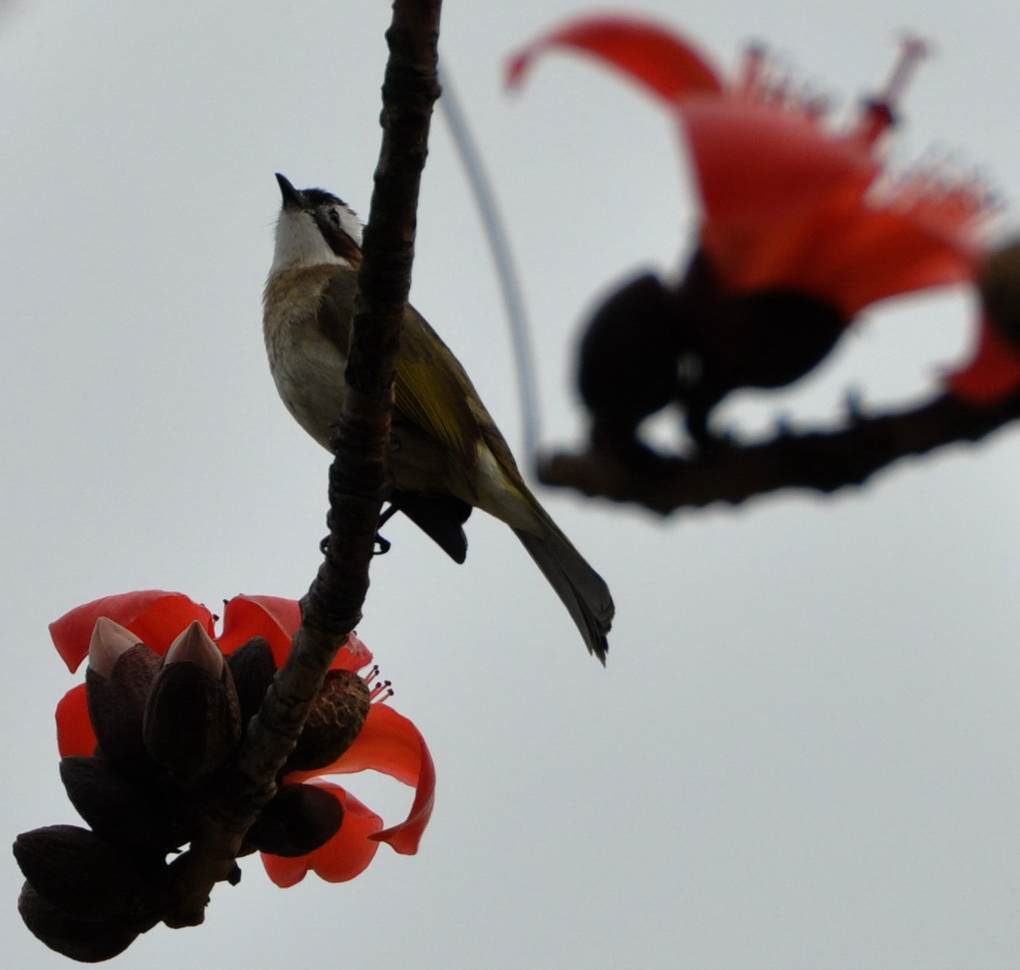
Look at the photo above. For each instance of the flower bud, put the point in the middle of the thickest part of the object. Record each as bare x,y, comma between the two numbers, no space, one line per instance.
118,678
298,820
253,668
131,813
87,941
627,365
109,642
85,877
192,721
999,285
335,720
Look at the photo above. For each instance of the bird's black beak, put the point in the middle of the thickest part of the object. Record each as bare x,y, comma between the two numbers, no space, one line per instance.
292,198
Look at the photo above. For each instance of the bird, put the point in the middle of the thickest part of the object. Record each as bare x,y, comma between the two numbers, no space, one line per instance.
446,454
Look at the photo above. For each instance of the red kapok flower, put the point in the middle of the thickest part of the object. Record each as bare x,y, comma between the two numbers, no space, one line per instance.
993,372
788,202
388,742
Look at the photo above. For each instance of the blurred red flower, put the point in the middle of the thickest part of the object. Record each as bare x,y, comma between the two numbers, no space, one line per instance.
388,742
789,202
993,372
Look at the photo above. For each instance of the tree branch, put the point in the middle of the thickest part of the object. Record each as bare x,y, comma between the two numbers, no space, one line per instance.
358,477
821,461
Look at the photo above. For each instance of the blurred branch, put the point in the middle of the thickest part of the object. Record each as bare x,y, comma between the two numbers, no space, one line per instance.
358,477
502,258
821,461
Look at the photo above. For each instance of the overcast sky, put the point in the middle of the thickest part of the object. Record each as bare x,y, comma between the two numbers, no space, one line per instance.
803,753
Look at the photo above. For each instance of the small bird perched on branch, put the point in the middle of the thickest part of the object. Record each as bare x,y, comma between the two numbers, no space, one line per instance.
446,453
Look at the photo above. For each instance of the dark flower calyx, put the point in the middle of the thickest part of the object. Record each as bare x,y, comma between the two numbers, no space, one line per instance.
133,813
999,285
116,702
335,720
192,720
87,941
86,878
253,668
298,820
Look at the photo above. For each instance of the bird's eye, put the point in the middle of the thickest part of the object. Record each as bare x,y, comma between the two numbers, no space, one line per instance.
334,216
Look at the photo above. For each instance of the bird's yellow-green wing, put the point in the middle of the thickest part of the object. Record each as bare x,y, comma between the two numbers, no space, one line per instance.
434,392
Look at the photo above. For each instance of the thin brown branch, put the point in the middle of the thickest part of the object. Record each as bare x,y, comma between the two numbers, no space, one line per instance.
819,461
358,477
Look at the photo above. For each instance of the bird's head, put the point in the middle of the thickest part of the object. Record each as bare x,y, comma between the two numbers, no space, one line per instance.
315,228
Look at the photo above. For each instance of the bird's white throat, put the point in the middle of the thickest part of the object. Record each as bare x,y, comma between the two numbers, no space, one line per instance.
299,243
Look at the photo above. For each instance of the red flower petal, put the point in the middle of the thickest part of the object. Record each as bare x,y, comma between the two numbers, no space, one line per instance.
154,616
277,620
272,617
391,744
285,872
653,56
787,205
74,727
353,655
343,857
759,167
993,373
874,254
767,179
787,202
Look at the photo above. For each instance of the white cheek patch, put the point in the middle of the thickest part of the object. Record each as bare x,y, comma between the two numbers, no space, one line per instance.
350,223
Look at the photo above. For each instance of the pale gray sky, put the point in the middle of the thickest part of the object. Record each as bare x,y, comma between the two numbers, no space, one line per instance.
803,753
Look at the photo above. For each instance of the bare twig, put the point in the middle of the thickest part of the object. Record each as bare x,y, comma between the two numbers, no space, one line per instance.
502,258
358,475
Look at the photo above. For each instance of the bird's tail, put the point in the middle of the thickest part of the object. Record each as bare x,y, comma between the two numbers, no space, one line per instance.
582,590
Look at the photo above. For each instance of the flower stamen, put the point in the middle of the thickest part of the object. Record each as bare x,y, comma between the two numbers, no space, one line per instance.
751,71
913,50
880,112
381,690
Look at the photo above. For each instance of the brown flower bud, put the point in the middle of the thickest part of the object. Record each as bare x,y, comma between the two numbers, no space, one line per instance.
87,941
298,820
999,285
335,720
253,668
117,680
192,721
109,642
128,812
85,877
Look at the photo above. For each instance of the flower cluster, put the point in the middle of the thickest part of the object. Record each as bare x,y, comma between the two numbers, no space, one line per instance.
802,227
144,743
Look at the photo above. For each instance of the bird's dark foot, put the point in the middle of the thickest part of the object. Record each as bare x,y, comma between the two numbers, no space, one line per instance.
383,544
